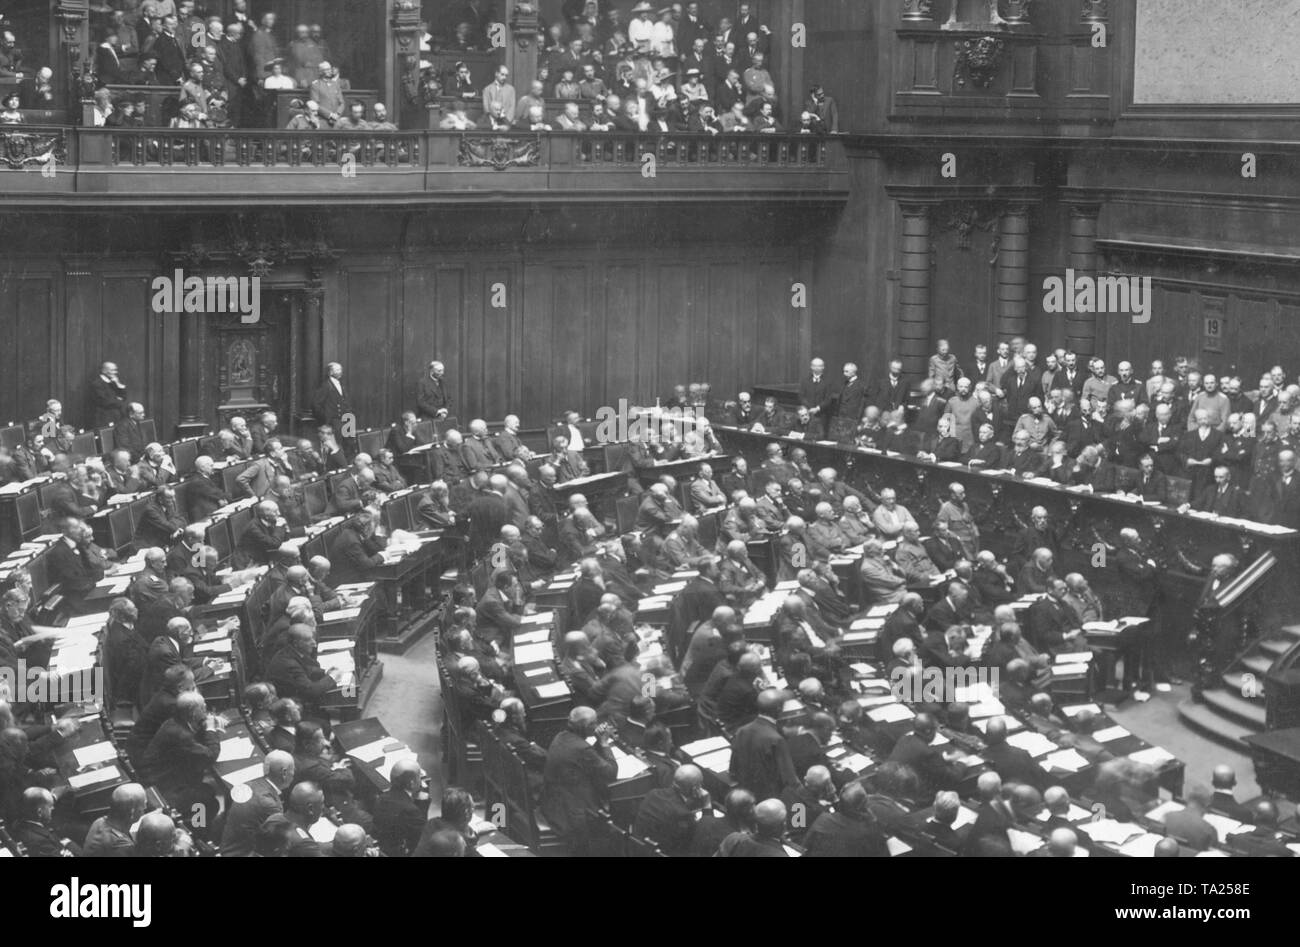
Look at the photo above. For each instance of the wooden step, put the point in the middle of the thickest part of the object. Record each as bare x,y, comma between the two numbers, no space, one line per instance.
1290,631
1231,704
1204,719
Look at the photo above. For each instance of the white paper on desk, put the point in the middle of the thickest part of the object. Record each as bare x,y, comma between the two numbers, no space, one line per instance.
355,587
342,614
95,753
94,777
978,694
1074,657
488,850
534,654
864,624
1074,814
369,752
246,775
1110,734
896,846
855,762
217,646
965,816
1076,709
237,748
1154,756
1070,760
533,637
552,690
537,672
1035,744
700,747
890,713
1225,826
854,637
987,708
334,644
338,660
233,597
1112,831
629,766
719,761
1069,670
323,831
1022,842
668,588
560,586
1143,846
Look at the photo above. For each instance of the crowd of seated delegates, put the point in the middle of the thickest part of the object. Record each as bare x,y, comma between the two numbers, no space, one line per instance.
670,72
226,70
1066,419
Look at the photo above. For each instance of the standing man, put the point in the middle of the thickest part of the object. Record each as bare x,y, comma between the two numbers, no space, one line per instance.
853,396
815,394
107,396
330,403
434,401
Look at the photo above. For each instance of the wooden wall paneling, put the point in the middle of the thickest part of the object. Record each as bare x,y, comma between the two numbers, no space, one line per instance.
735,343
364,340
417,331
27,321
616,288
450,283
494,336
574,353
538,361
711,336
673,341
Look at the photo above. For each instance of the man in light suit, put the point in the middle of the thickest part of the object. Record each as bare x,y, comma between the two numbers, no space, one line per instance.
256,479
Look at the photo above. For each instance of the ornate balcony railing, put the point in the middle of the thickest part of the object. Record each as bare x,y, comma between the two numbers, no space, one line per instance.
109,164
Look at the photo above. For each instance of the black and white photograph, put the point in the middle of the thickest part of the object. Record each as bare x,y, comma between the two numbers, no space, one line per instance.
663,430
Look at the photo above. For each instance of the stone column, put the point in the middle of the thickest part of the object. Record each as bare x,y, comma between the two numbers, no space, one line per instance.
70,50
914,289
1081,327
1013,272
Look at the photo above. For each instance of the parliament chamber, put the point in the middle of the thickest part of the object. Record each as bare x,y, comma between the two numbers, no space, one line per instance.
793,428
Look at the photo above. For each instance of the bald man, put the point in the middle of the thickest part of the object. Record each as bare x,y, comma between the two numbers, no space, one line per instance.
809,802
668,816
156,836
244,818
765,841
33,825
306,805
401,812
110,834
1013,764
579,768
850,831
349,842
993,817
181,755
916,750
760,756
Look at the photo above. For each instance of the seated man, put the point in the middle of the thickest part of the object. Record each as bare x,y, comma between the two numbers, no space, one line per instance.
180,756
883,582
912,557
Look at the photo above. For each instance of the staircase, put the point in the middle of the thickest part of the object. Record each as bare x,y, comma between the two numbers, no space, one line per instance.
1236,709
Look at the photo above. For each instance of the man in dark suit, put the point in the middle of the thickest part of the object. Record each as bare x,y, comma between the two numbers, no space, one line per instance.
181,754
928,413
953,609
816,395
915,750
246,817
1199,451
852,398
34,830
434,400
356,551
891,392
1013,764
849,832
160,521
263,536
402,438
1264,840
667,816
170,51
401,812
107,396
760,757
296,673
993,817
1019,384
330,403
205,493
1150,483
72,564
1222,498
1285,498
1053,626
127,434
579,768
